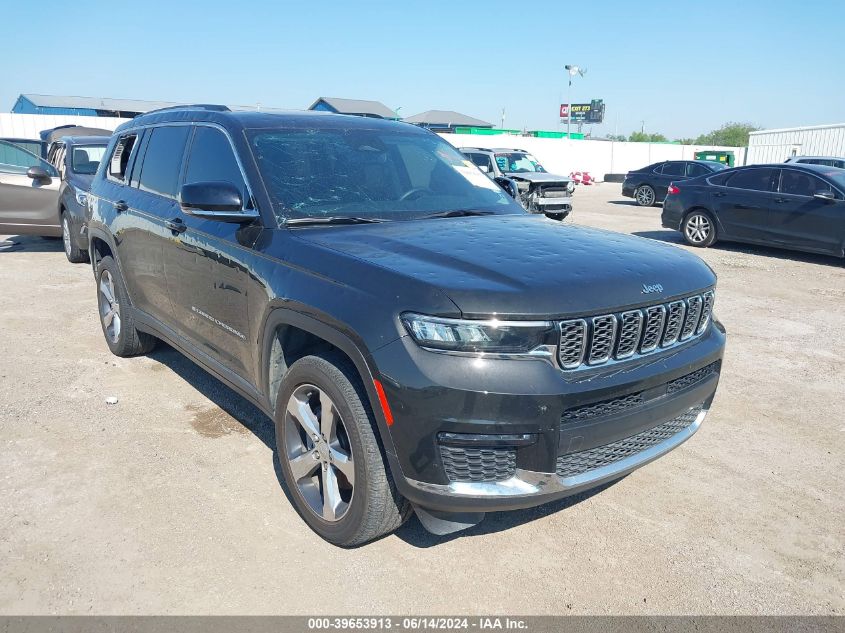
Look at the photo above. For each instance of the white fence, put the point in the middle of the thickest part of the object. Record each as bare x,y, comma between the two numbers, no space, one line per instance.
562,156
13,125
775,146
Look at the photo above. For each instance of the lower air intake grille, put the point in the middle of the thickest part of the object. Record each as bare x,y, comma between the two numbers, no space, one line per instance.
584,461
478,464
690,379
606,407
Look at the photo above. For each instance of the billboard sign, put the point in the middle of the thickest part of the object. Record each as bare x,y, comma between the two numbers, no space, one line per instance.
592,112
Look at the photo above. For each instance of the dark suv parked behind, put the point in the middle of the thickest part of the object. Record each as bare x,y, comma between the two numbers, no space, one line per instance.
420,341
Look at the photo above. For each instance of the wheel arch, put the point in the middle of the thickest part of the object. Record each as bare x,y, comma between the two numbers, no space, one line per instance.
288,335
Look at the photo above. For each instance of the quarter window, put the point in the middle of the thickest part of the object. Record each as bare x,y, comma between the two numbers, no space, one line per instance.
163,159
212,159
120,157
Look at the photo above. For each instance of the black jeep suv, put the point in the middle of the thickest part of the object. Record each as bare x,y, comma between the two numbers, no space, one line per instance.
420,341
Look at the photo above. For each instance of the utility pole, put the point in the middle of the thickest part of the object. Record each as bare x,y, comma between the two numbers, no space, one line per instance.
642,127
503,118
572,70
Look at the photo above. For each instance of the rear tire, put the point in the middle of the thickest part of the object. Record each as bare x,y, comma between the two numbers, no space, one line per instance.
645,196
74,254
699,229
115,312
327,442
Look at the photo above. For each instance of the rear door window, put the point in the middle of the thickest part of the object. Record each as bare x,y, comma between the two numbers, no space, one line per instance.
673,169
163,160
755,179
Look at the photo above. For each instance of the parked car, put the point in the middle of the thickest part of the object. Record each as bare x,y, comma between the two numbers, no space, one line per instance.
420,341
648,185
538,190
794,206
76,158
29,190
828,161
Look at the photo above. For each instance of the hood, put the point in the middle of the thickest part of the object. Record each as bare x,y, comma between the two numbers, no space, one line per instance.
533,176
521,265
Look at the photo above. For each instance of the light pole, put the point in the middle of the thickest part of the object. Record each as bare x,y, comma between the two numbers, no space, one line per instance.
572,70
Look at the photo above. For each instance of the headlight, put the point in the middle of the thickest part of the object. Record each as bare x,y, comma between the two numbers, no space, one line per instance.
570,187
81,198
495,337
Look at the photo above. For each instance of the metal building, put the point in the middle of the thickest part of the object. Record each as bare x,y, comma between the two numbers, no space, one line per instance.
775,146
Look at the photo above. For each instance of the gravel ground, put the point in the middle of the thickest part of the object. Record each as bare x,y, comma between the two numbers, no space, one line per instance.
169,501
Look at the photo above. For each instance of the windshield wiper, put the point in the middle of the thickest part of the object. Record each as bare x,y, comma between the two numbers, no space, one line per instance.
457,213
332,219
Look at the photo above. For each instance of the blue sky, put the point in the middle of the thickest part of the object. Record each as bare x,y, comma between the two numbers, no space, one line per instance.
682,67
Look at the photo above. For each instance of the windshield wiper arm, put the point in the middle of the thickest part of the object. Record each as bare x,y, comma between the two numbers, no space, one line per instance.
332,219
457,213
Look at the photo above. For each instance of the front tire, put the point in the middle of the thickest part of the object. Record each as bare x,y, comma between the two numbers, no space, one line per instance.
328,448
74,254
115,313
644,195
699,229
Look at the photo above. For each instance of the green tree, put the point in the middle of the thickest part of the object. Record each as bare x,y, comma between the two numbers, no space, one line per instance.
647,137
685,141
616,137
730,135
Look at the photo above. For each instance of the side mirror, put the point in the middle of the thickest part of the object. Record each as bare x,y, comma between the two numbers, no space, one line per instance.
220,201
509,186
825,195
37,173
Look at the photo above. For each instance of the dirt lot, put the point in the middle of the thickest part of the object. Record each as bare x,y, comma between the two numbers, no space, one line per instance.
170,502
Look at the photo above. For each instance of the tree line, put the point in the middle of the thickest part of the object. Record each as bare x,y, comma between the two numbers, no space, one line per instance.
729,135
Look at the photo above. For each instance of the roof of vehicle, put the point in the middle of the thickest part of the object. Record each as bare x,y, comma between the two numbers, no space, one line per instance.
493,150
72,130
795,159
257,120
86,140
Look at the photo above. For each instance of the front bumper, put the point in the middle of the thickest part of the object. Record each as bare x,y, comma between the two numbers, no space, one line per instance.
431,394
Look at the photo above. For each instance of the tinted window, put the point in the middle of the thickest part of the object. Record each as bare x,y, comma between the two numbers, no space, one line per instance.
212,159
15,160
720,179
798,183
673,169
694,170
162,162
753,179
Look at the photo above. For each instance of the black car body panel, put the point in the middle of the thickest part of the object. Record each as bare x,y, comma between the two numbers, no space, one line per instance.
660,175
228,295
771,205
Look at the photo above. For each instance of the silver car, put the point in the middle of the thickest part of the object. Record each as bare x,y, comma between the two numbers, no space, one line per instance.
29,193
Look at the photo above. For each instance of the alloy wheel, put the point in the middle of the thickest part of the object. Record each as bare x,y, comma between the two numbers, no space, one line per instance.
66,237
319,453
109,307
698,227
645,196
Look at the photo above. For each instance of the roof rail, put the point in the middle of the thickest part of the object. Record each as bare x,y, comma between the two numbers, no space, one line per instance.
210,107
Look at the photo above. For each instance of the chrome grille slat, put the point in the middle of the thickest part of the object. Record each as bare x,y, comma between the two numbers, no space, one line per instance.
693,314
595,340
675,313
630,326
602,337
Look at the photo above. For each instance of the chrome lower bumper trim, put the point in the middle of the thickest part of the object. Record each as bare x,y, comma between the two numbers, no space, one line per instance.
526,483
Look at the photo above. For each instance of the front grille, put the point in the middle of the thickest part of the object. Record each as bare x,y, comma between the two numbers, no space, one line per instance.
596,340
584,461
478,464
606,407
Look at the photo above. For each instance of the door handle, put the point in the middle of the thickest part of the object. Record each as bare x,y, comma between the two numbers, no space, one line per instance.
719,194
781,200
176,225
120,206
